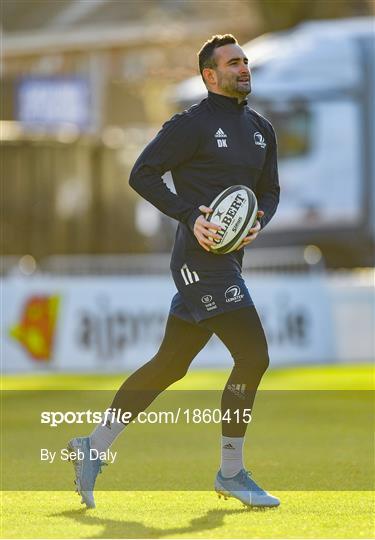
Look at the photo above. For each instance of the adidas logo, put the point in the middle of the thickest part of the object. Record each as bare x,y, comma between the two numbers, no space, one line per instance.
189,276
237,389
220,133
228,446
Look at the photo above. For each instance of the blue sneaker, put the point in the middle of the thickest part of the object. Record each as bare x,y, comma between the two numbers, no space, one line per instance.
86,469
243,488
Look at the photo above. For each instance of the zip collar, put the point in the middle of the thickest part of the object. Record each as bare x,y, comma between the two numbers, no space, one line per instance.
226,103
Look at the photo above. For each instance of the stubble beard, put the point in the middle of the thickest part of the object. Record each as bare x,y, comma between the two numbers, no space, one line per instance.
233,87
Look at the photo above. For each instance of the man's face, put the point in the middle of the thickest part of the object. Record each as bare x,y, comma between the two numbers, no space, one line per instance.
233,76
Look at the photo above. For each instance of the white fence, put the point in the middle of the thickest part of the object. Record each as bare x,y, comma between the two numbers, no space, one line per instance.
117,323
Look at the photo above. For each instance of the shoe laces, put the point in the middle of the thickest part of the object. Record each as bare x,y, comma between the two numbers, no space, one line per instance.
247,481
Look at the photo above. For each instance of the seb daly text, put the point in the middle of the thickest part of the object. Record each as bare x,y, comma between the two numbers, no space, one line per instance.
66,455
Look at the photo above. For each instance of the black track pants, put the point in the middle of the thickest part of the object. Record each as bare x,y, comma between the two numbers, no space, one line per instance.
241,332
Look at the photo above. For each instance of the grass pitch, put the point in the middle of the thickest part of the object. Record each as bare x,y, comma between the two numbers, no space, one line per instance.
198,514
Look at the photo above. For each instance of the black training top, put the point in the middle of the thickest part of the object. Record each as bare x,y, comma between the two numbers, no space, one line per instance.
208,148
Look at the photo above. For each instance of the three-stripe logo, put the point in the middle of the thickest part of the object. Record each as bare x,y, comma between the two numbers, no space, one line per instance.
188,276
221,138
237,389
220,133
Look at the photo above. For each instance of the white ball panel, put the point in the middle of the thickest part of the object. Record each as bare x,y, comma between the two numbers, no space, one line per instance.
236,213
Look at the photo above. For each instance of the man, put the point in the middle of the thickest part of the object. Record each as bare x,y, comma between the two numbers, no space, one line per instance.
188,145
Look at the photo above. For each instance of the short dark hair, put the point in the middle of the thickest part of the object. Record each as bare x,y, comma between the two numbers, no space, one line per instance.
206,54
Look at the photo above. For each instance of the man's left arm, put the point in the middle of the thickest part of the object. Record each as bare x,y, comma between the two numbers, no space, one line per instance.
267,190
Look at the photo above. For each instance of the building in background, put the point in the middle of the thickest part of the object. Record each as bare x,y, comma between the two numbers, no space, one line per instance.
85,85
316,84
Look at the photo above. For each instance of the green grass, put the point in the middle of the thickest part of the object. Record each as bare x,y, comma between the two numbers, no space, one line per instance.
190,514
332,377
187,515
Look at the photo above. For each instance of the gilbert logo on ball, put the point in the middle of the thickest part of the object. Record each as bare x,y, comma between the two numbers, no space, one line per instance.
235,210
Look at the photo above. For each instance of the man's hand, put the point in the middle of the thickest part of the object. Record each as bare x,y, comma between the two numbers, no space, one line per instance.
202,230
253,232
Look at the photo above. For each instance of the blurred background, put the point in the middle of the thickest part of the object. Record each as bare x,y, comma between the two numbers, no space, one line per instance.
87,83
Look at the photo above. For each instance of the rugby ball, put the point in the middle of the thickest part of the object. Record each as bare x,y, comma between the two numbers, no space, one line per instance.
235,210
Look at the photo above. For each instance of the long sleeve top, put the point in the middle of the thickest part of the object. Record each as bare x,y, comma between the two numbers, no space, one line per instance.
208,148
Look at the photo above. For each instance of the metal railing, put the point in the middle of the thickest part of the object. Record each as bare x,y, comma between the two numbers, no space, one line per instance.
266,260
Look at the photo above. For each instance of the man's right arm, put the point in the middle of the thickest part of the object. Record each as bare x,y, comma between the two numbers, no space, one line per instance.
175,143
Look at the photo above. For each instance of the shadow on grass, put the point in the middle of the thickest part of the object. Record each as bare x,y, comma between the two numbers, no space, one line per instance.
113,528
